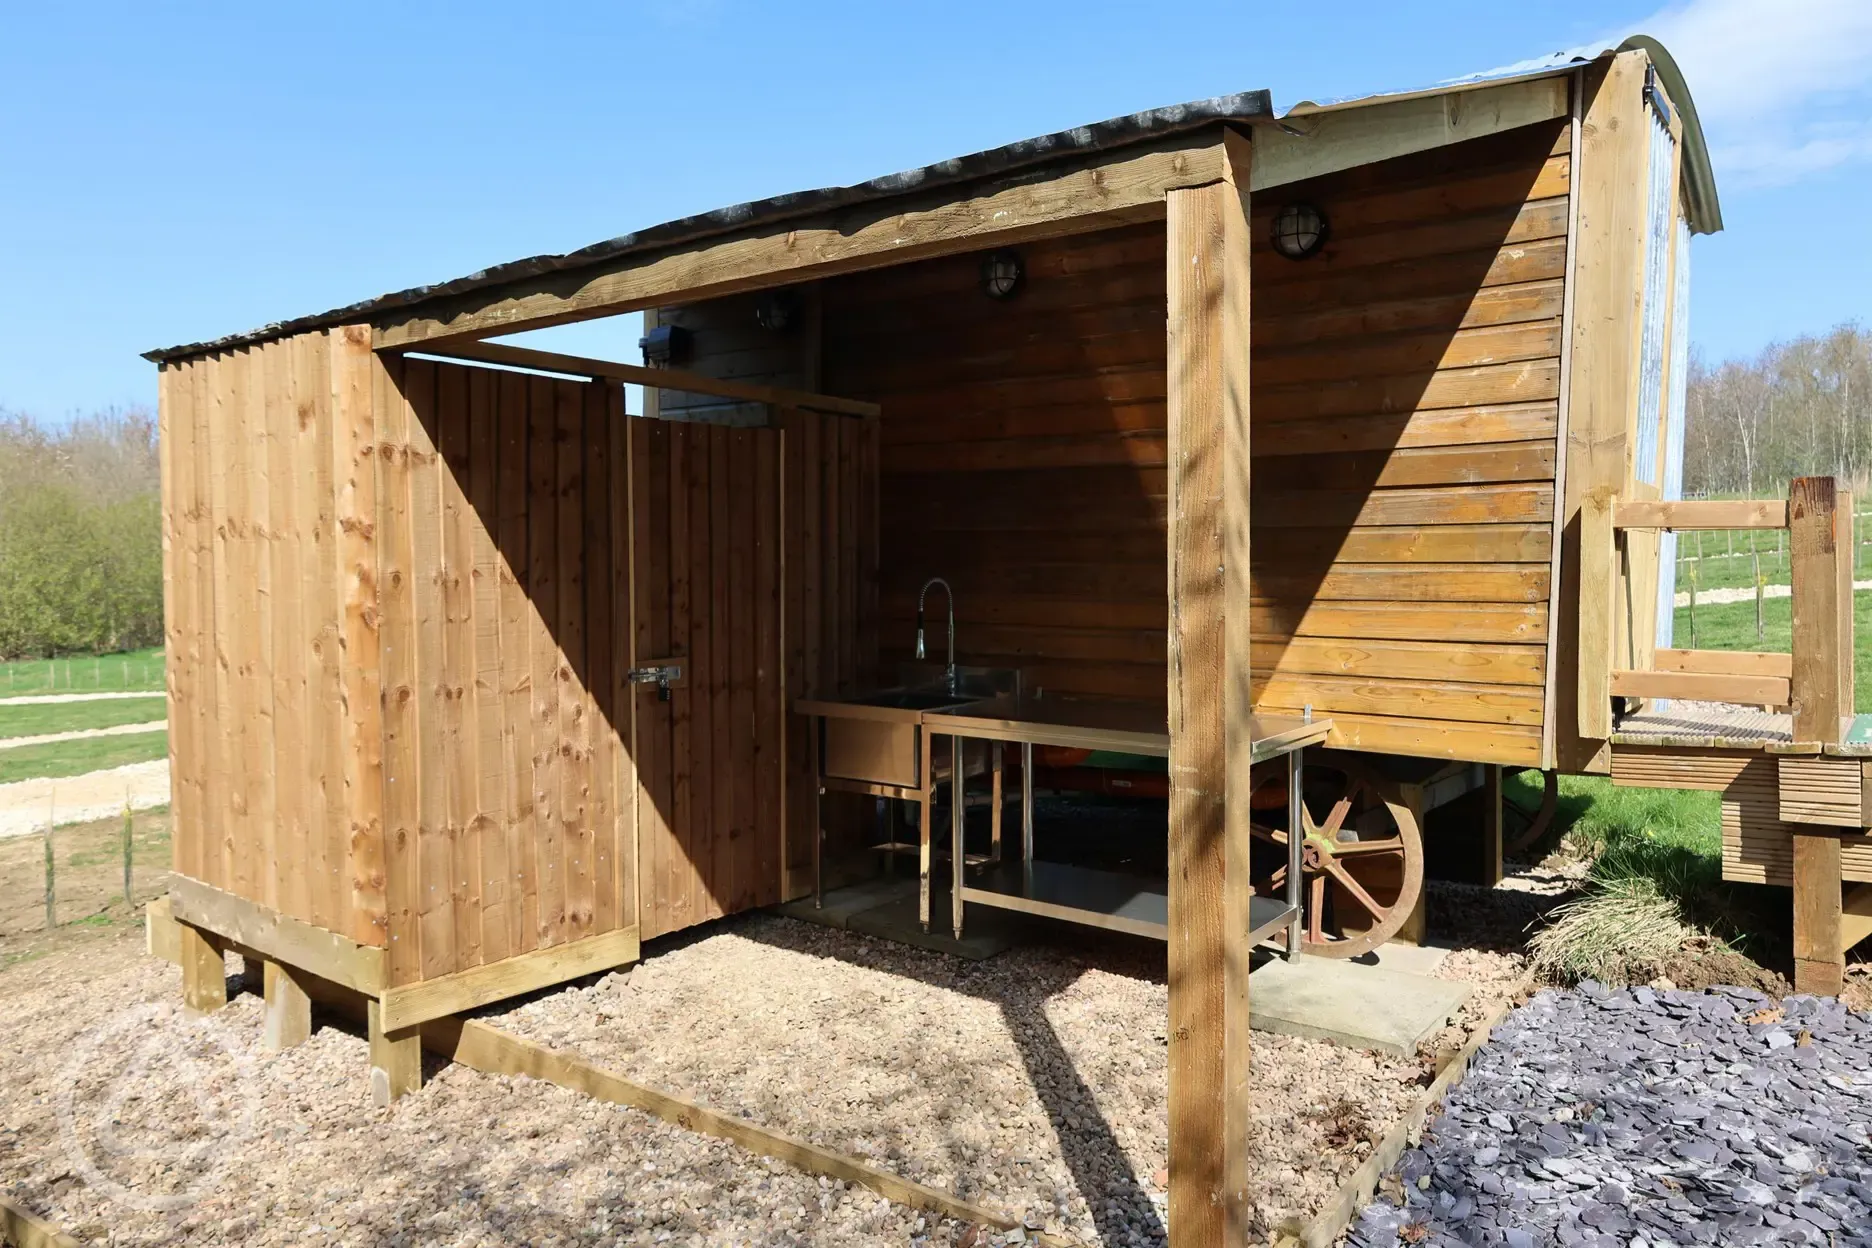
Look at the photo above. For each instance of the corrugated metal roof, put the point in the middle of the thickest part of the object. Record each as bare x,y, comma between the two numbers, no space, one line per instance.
1247,106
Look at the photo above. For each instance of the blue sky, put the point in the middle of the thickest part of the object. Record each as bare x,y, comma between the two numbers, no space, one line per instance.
175,172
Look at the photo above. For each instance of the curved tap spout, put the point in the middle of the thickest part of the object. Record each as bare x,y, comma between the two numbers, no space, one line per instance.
949,673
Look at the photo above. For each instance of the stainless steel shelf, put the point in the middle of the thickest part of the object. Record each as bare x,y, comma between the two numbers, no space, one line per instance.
1108,899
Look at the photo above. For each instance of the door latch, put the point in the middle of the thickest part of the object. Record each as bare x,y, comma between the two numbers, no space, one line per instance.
662,675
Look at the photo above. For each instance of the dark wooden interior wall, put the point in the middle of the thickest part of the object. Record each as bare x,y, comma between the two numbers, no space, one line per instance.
1405,385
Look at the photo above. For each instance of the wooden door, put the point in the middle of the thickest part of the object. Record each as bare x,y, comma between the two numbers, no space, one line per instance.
706,521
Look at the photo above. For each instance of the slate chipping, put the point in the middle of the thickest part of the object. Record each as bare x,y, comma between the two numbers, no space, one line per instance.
1644,1117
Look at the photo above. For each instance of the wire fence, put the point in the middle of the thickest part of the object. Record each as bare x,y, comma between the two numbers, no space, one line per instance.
140,671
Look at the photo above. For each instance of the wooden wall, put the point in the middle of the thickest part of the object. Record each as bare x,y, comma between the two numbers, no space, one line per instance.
500,576
1406,386
254,606
1022,455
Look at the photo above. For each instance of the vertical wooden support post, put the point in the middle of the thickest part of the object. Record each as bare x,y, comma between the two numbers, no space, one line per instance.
395,1058
1492,824
1598,598
204,969
1843,563
288,1007
1821,632
1207,270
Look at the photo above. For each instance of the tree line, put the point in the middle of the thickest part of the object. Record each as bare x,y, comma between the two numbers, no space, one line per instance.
1802,407
80,535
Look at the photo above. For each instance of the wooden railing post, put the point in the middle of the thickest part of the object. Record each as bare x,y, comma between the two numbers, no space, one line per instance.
1598,597
1820,695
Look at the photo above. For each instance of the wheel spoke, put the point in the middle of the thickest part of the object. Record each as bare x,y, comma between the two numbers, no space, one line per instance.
1357,890
1277,836
1394,845
1277,881
1335,818
1316,910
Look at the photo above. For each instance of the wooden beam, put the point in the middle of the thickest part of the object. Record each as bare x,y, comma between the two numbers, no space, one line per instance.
1207,412
1597,582
288,1021
204,969
1725,662
1304,145
1819,959
1748,513
1702,686
1606,286
655,378
278,936
1813,555
395,1057
1090,193
496,981
22,1229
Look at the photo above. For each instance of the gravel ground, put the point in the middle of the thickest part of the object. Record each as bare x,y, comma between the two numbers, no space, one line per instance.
114,1104
1033,1082
1645,1118
79,799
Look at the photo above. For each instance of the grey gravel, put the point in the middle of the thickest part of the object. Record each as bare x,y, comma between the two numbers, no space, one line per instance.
1647,1118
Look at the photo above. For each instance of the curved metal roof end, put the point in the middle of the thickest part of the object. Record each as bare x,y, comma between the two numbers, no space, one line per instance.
1701,206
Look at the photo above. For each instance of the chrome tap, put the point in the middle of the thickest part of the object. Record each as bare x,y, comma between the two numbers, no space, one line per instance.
949,673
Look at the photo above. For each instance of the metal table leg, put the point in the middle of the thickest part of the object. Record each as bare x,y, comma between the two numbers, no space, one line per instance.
1295,818
1027,818
957,808
996,750
818,830
928,780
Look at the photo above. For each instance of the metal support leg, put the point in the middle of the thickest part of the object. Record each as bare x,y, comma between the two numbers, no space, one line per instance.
1295,819
958,807
1027,818
923,826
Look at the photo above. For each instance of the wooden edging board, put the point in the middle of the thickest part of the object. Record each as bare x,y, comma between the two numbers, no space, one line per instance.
275,935
20,1229
1331,1221
492,1051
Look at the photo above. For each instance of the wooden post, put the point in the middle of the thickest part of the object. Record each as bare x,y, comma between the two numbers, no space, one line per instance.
51,879
1843,565
204,969
1820,642
129,854
395,1059
288,1007
1491,824
1207,271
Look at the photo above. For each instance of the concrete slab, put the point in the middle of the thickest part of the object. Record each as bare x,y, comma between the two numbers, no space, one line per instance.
987,932
1364,1007
842,903
1409,959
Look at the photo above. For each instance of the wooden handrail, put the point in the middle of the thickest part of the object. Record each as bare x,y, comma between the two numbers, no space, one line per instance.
1702,687
1746,513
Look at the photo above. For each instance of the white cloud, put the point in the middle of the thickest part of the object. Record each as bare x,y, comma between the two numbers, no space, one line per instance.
1784,89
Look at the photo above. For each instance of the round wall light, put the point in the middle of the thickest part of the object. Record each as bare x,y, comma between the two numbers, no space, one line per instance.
1299,231
1001,274
776,310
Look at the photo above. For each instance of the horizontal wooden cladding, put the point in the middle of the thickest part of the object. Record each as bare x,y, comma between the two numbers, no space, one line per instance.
1441,198
1458,310
1402,660
1679,767
1464,701
1402,582
1702,687
1824,791
1514,226
1476,464
1757,846
1482,504
1420,427
1430,349
258,728
1507,744
1764,513
1521,382
1460,274
1453,624
1095,450
1406,544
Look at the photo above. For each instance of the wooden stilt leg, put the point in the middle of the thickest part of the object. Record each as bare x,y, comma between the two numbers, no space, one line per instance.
395,1059
204,970
288,1008
1491,825
1819,955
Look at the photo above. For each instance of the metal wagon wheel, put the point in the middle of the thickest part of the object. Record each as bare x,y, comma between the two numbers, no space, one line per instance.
1361,854
1523,826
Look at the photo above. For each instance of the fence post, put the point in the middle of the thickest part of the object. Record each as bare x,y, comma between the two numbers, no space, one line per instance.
51,876
129,867
1814,554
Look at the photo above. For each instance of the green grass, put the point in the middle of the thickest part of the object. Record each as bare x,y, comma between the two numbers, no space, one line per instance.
134,670
1732,627
35,718
1721,569
74,758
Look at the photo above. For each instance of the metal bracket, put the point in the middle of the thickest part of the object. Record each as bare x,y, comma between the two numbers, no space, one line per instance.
662,675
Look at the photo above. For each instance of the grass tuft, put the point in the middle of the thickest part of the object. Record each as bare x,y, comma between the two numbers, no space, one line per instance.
1623,928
